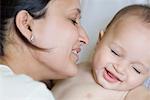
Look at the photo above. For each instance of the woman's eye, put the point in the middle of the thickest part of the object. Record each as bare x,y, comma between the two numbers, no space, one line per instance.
136,70
115,53
74,21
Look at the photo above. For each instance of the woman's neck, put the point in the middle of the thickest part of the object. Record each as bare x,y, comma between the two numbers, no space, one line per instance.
20,61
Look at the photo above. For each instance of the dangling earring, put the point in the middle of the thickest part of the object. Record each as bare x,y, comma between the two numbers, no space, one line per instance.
31,38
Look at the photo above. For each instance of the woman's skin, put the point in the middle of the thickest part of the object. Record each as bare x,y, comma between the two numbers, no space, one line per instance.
59,32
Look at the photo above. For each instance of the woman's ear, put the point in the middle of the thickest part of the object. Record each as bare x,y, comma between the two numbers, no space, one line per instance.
23,23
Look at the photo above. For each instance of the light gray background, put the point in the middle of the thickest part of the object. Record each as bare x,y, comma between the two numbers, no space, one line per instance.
96,14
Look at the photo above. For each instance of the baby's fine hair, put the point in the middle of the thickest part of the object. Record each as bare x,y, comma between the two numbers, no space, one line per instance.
140,11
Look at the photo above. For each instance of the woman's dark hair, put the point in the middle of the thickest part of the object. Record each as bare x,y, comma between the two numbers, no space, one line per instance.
10,8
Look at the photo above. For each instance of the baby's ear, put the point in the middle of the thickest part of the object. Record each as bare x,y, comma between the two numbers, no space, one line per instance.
101,34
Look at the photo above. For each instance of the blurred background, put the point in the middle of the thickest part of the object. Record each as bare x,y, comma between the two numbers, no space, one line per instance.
96,14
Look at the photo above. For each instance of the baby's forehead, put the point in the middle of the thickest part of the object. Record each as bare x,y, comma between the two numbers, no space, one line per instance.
132,32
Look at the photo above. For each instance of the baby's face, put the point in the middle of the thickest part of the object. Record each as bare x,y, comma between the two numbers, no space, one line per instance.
122,57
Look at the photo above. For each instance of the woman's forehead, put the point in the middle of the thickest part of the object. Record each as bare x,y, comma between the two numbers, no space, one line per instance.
64,4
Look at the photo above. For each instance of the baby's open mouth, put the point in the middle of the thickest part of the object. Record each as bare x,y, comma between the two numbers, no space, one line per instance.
109,76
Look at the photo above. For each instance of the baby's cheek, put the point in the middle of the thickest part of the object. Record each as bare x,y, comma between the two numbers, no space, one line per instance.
97,74
134,82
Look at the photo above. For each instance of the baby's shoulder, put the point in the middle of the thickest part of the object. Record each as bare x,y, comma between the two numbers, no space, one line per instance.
76,86
141,93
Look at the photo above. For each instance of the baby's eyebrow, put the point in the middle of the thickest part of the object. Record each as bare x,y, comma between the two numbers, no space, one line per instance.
118,47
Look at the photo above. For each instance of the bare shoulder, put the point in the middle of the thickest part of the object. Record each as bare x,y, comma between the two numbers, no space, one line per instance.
141,93
72,85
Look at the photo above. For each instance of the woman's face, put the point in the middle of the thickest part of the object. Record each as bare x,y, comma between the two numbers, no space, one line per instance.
61,34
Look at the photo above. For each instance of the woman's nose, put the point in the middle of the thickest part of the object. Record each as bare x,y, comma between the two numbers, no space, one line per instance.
83,35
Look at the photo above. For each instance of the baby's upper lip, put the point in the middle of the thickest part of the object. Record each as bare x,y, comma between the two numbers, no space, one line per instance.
114,74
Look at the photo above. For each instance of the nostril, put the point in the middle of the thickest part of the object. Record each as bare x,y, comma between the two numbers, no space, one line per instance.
82,43
84,40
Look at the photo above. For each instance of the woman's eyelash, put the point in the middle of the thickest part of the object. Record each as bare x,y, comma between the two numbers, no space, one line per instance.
74,21
114,52
137,70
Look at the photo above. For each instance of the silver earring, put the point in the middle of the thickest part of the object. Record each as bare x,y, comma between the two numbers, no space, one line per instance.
31,38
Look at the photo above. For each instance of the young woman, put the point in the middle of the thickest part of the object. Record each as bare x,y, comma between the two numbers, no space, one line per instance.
39,40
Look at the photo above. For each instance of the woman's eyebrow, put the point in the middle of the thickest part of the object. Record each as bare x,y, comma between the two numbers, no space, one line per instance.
77,9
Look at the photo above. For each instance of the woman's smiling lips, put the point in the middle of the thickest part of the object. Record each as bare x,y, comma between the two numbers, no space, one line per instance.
75,52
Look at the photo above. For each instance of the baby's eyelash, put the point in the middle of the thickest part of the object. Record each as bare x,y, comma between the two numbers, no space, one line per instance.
137,70
114,52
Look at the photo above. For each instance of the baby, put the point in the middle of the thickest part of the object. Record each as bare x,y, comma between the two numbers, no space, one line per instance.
120,64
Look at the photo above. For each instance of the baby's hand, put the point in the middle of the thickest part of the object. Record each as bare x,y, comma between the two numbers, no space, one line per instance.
147,83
